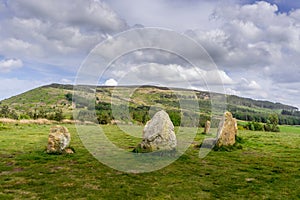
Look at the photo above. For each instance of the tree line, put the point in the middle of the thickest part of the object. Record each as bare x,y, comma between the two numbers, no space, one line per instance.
98,111
54,113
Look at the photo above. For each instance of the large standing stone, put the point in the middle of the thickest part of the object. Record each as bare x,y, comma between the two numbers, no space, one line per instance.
227,130
158,134
59,138
207,127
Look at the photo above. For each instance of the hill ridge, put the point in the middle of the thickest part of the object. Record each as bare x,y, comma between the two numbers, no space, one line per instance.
49,99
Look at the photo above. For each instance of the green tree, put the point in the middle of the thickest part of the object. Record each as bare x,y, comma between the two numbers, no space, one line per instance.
175,117
58,116
273,119
272,123
4,112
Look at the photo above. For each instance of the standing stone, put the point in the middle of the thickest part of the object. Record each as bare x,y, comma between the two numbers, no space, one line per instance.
158,134
59,138
227,130
207,127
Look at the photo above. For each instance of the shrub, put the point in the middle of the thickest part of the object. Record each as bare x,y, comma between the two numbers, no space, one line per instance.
58,116
175,117
258,126
6,112
24,116
272,123
254,126
240,127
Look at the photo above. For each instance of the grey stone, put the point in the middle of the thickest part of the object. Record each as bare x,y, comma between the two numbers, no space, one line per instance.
59,138
158,134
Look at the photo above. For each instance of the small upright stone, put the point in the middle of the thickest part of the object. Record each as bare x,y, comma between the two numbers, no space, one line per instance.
227,130
59,138
207,127
158,134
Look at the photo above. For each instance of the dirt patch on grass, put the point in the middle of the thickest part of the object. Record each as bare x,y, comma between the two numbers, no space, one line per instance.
6,156
14,170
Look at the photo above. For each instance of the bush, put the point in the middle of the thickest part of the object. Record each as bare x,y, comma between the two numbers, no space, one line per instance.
258,126
58,116
24,116
6,112
175,117
272,123
254,126
2,127
269,128
240,127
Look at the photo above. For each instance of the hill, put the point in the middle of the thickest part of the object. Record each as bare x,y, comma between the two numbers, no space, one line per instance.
55,102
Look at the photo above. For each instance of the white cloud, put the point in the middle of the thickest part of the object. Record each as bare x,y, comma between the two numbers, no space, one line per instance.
230,91
216,77
251,36
176,15
53,32
253,41
172,75
10,64
66,81
86,14
249,85
111,82
259,43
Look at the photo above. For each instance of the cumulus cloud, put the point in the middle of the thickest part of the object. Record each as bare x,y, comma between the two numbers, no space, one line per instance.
230,91
256,41
10,64
111,82
176,15
251,85
66,81
172,75
251,36
90,14
53,32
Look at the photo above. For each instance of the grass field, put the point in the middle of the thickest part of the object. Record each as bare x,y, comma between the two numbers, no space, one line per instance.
268,167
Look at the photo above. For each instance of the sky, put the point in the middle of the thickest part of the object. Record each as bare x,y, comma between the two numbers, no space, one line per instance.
254,44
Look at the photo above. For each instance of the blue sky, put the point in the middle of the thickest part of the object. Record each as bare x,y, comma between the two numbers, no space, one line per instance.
283,5
255,44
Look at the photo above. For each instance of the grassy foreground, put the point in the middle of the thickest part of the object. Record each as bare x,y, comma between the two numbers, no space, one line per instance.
268,167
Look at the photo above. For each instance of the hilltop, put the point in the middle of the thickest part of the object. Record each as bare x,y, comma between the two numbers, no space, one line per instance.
55,102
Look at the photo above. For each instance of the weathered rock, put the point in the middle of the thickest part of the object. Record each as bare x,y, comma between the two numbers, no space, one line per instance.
227,130
59,138
158,134
68,151
207,127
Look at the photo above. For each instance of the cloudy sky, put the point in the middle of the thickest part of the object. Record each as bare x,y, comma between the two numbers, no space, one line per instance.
254,44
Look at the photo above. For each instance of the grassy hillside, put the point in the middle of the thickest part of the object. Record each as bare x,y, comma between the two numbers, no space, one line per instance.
47,101
42,96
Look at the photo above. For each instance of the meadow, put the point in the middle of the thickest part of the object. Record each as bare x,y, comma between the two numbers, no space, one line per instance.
267,167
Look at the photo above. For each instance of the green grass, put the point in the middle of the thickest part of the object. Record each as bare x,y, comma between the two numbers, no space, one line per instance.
267,167
290,129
